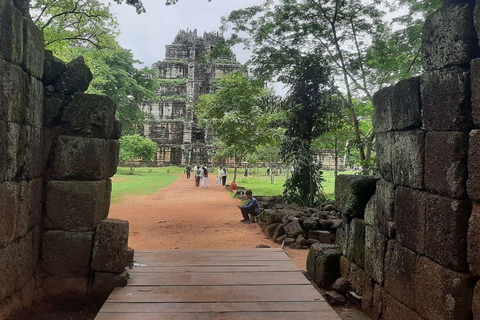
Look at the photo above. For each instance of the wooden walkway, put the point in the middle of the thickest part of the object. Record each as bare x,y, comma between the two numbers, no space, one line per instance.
215,284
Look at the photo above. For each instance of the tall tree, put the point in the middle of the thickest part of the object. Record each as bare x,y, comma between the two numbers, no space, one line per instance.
236,115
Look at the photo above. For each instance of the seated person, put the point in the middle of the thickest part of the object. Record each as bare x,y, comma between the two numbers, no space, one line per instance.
251,207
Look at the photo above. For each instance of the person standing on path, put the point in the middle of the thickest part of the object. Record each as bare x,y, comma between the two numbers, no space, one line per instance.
205,178
187,171
224,177
218,182
250,208
198,173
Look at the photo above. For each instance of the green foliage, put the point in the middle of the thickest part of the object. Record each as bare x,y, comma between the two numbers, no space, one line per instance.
178,97
135,147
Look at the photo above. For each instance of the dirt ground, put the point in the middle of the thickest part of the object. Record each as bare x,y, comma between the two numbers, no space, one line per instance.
183,216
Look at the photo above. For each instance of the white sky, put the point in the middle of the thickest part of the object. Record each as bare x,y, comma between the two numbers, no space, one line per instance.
148,34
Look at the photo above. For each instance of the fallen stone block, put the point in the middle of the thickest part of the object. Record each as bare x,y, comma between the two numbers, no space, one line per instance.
270,230
274,217
293,229
279,231
449,38
77,205
323,264
301,240
67,253
53,68
342,285
335,299
310,224
75,78
110,246
353,192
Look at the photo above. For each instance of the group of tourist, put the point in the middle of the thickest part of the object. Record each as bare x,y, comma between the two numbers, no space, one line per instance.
201,176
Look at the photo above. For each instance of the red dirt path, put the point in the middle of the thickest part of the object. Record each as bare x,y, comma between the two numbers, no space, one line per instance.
183,216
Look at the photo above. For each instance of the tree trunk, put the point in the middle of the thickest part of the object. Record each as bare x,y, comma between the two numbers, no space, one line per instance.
235,161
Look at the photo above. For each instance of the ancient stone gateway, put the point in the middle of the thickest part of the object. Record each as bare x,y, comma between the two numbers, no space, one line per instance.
186,73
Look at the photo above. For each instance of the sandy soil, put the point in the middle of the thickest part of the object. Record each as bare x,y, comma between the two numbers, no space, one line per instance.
183,216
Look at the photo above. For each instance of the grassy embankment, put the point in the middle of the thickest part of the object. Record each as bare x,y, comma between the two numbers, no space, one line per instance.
143,182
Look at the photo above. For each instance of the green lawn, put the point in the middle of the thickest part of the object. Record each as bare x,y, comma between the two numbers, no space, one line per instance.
142,182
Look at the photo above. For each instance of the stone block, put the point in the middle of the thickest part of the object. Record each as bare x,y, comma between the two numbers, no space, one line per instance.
476,302
344,267
117,130
90,116
274,217
342,237
384,145
130,254
406,105
9,208
395,310
375,248
310,224
279,232
379,211
3,150
13,92
270,230
446,100
447,223
77,205
23,261
446,163
84,158
442,293
11,33
66,289
293,229
53,68
8,271
67,253
377,308
474,239
33,49
400,266
31,193
34,110
110,248
449,38
105,281
314,252
356,242
410,218
327,267
382,104
353,192
31,149
53,109
407,158
75,78
475,87
473,182
358,278
367,297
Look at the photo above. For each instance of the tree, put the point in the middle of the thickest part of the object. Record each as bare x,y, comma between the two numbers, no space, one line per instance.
235,115
134,147
311,108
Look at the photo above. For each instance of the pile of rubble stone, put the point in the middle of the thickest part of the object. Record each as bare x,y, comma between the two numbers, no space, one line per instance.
298,227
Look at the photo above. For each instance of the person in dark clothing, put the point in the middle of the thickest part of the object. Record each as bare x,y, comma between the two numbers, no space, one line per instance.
187,170
250,208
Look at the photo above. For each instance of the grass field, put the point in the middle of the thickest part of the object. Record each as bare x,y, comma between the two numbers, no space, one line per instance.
146,181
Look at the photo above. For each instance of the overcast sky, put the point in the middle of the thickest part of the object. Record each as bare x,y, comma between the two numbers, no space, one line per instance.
147,34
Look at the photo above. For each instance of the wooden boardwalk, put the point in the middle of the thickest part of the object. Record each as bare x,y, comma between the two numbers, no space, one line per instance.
215,284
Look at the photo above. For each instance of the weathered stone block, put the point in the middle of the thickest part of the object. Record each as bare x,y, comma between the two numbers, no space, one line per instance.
110,249
474,239
279,232
53,68
85,158
408,158
342,237
406,105
3,150
53,109
356,242
293,229
316,250
274,217
24,150
310,224
446,100
475,86
327,267
33,48
395,310
90,115
117,130
410,218
130,254
344,266
105,281
23,261
377,308
476,302
383,145
379,211
375,248
77,205
9,208
353,192
13,92
446,163
367,297
7,270
34,110
75,78
358,278
449,38
31,193
11,33
447,224
67,253
473,182
400,266
270,230
442,293
382,103
66,289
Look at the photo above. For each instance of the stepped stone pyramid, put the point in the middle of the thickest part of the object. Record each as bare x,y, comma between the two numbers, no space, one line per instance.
185,75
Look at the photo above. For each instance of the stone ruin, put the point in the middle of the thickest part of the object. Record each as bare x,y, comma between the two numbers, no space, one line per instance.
411,248
185,75
58,150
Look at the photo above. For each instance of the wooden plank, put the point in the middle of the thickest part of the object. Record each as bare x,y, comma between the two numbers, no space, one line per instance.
215,269
238,262
215,293
186,258
221,316
216,279
309,306
227,251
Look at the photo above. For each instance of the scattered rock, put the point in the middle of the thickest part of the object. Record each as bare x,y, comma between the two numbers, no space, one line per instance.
342,285
335,298
262,246
301,240
293,229
288,241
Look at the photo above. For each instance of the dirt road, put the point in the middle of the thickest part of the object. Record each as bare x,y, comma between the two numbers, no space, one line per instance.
186,217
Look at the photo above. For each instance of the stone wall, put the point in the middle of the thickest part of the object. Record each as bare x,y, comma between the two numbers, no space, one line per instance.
58,149
412,251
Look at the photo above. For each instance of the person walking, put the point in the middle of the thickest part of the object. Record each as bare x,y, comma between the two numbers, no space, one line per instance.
224,177
205,184
197,173
218,182
187,171
245,173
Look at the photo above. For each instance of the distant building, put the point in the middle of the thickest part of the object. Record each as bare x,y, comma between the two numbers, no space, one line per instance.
326,157
185,75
